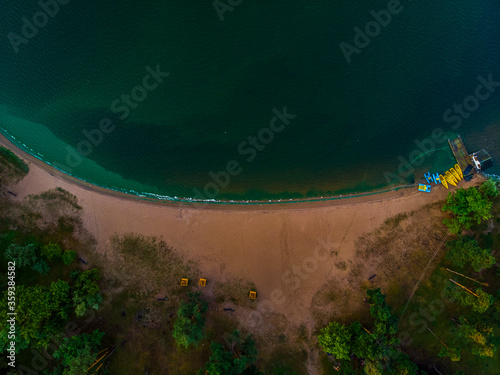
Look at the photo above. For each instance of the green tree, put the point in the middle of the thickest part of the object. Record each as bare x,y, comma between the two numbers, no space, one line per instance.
41,266
373,368
468,207
363,343
51,251
221,361
41,313
68,257
401,365
489,189
479,303
77,353
190,323
477,338
385,323
240,355
465,250
85,291
335,338
452,353
379,348
26,256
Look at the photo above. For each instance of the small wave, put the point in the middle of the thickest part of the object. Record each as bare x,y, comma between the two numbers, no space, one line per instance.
160,197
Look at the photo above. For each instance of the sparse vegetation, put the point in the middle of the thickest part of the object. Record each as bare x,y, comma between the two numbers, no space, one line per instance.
9,160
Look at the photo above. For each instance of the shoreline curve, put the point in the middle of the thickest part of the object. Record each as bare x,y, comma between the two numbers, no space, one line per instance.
371,196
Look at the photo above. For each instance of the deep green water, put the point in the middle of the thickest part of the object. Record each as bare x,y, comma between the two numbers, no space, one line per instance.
354,121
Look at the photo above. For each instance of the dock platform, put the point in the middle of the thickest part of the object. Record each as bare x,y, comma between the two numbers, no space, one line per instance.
460,152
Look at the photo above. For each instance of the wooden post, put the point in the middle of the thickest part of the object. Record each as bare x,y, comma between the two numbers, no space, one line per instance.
437,338
463,287
97,361
485,284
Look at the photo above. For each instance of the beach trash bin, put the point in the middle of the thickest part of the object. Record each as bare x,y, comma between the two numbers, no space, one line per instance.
252,294
202,282
184,282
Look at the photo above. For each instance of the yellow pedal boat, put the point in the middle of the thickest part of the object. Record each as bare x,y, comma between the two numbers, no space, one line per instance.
443,181
449,177
459,171
455,174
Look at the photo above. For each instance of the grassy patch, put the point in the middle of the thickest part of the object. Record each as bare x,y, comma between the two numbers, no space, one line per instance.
58,196
235,291
149,264
286,360
9,159
341,266
394,221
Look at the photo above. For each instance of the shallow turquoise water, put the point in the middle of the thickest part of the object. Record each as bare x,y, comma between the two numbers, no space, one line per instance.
354,121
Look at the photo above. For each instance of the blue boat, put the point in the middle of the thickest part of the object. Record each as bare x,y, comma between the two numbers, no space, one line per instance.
428,177
437,180
425,188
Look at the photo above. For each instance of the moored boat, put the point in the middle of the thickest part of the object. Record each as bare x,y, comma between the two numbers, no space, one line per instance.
428,177
459,171
443,181
424,188
455,174
450,179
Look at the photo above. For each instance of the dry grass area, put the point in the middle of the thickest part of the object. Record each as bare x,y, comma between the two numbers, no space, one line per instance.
235,292
51,216
396,253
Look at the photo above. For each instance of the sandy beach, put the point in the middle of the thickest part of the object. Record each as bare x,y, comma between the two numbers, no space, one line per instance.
283,249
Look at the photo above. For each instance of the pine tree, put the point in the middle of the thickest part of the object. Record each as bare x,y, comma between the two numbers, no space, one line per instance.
190,323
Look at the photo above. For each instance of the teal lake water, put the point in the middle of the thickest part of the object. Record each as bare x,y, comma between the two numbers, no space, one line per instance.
354,121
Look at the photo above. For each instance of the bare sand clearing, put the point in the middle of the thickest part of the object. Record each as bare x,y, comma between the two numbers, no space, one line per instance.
288,251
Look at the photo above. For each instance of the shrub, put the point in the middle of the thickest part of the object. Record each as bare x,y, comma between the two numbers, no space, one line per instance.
14,160
51,251
68,257
489,189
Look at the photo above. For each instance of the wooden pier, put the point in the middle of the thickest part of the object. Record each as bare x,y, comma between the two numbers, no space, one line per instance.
463,158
